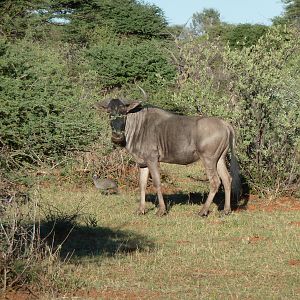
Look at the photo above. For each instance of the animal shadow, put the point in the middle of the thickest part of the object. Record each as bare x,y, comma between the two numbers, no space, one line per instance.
242,203
84,240
182,198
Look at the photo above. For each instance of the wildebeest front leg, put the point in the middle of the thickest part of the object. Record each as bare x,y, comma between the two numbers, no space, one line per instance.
153,167
144,173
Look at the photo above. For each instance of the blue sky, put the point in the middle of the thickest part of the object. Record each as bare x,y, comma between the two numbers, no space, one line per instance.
231,11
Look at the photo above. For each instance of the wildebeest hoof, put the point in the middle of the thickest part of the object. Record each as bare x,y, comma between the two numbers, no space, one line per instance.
161,212
141,212
203,212
225,212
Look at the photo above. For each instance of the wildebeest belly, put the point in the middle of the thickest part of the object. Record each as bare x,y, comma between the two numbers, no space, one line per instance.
181,158
178,147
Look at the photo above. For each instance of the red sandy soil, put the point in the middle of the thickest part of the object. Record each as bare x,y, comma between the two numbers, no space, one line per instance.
294,262
117,294
18,295
279,204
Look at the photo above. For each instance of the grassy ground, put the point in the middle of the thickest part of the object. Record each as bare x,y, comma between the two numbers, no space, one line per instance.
251,254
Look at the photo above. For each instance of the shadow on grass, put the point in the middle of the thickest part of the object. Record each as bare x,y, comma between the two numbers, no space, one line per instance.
80,240
182,198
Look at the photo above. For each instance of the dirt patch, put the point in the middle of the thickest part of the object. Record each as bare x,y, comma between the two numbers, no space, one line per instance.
294,262
108,294
136,224
183,242
18,295
279,204
216,222
295,223
255,239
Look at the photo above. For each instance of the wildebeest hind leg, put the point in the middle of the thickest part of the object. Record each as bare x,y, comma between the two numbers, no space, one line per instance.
226,180
144,173
153,167
214,184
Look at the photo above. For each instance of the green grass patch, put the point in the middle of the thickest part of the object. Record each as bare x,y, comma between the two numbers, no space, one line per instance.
247,255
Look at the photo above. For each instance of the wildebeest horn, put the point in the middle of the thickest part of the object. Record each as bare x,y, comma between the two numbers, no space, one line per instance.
133,105
144,93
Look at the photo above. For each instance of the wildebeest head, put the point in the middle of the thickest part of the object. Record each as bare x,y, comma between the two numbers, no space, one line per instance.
118,109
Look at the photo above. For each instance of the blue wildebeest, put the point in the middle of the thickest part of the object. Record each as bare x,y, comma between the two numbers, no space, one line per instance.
154,135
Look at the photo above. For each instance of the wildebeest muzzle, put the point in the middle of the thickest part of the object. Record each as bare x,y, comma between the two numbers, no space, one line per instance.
118,129
118,138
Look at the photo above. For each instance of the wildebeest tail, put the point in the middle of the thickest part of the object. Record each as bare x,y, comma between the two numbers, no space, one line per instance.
234,169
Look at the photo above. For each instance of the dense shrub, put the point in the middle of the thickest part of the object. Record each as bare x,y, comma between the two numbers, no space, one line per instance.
268,117
244,35
120,63
42,114
17,17
122,16
257,89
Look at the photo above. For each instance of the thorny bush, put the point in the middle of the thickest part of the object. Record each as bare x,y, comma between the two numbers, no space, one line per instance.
257,89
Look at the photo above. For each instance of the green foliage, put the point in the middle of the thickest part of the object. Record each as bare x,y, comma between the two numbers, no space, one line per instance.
244,35
17,17
292,11
80,18
202,78
42,113
291,14
267,115
256,88
129,17
120,63
208,23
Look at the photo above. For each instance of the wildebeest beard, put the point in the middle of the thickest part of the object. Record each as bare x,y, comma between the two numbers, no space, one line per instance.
117,123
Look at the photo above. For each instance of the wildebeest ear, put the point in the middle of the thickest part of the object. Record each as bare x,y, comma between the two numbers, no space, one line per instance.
131,106
101,105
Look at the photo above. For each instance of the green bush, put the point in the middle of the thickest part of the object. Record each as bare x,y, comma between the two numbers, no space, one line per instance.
202,81
268,117
257,89
244,35
120,63
42,111
122,16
